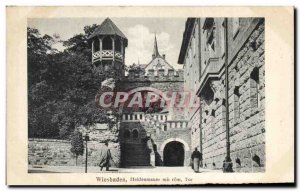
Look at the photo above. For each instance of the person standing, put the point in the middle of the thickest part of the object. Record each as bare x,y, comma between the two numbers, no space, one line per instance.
196,158
105,157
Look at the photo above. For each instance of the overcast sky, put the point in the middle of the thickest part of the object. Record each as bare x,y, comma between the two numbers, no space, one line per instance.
139,31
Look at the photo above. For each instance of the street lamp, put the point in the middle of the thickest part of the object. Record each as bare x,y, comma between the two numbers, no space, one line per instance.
227,164
86,138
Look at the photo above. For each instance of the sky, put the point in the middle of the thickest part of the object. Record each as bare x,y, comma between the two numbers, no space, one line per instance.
140,33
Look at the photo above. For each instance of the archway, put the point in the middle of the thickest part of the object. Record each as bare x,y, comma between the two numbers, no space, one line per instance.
174,154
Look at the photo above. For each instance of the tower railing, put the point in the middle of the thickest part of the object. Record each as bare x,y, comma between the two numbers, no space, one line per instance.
107,55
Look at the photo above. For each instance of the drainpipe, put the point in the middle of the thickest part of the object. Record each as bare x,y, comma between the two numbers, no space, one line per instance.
227,163
200,107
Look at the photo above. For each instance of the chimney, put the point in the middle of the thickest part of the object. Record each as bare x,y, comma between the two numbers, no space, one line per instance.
164,56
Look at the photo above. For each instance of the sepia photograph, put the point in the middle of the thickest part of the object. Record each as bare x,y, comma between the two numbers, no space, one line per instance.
146,95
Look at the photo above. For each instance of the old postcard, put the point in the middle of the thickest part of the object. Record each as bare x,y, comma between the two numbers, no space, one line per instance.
150,95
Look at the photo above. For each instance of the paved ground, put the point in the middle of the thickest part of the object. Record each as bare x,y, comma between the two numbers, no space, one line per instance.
74,169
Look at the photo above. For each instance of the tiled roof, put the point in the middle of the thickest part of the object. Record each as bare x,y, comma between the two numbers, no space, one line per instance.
107,28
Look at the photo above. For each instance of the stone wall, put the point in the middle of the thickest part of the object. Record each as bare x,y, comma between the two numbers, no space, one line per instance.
159,137
180,135
195,130
246,111
57,152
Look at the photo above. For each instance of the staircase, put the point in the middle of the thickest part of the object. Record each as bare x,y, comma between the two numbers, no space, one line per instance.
135,154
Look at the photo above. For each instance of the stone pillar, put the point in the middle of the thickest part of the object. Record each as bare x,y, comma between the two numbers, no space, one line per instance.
152,153
100,47
122,50
93,48
168,126
113,48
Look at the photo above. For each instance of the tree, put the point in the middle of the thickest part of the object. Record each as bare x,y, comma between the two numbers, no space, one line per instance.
61,85
77,147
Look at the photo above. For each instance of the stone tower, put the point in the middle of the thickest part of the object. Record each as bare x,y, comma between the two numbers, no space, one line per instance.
108,49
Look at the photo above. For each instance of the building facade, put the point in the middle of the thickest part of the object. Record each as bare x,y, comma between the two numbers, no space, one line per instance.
209,46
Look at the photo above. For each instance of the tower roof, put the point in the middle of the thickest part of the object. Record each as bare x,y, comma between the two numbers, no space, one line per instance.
157,59
155,49
107,27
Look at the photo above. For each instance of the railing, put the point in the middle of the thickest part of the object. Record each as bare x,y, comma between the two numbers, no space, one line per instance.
141,117
107,55
163,122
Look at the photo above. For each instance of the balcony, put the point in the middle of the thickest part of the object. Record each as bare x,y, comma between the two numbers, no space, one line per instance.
107,55
211,71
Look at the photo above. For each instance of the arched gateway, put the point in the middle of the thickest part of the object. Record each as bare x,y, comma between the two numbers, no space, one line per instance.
173,150
174,154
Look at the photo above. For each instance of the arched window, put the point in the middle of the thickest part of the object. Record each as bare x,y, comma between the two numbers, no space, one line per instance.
126,134
236,104
118,46
96,45
135,134
254,86
107,43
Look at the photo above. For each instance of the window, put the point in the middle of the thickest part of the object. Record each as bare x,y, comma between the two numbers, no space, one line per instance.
254,87
210,27
238,162
107,43
235,26
118,46
236,104
213,113
135,134
96,45
257,160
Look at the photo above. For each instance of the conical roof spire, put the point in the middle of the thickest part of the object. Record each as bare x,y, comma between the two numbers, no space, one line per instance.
107,27
155,49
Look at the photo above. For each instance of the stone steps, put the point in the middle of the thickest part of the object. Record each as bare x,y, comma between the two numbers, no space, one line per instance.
135,154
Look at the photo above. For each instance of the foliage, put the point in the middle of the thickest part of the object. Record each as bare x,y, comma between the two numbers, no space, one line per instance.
61,85
135,68
77,147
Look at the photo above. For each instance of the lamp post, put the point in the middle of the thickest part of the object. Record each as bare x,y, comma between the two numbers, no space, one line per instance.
227,164
86,138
